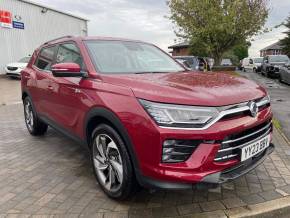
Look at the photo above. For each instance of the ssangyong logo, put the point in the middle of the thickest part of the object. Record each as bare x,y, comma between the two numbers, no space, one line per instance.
254,109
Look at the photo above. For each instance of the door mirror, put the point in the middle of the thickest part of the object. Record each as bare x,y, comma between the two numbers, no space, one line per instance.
251,61
266,61
67,70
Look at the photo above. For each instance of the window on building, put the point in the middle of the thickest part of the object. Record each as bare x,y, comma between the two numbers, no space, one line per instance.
45,58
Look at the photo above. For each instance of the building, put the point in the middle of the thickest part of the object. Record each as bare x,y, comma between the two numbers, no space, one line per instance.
274,49
25,25
180,49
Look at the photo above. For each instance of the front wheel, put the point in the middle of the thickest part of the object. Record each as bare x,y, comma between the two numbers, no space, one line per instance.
34,125
111,163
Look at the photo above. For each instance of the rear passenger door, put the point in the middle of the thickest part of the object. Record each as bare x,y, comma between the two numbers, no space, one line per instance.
65,103
42,89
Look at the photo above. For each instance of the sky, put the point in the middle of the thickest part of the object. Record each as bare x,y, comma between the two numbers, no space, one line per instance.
146,20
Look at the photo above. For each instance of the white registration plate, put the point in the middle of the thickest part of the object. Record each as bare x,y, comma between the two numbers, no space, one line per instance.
255,148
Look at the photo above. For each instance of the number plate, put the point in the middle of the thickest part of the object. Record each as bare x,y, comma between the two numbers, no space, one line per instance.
255,148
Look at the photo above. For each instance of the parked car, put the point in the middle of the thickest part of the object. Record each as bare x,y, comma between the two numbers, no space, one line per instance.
143,118
194,62
252,64
226,62
14,69
184,63
285,73
272,64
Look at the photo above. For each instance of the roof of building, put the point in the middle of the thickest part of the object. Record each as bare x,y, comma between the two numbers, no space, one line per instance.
180,45
53,9
275,46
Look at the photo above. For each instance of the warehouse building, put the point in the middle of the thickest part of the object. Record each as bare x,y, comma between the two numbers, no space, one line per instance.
25,25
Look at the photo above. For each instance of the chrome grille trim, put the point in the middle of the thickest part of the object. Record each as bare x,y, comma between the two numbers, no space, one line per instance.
226,157
245,144
249,135
224,111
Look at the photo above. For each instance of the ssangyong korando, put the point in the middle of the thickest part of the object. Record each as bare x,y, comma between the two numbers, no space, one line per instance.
144,118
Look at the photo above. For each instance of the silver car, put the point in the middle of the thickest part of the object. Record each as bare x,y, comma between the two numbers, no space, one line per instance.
285,73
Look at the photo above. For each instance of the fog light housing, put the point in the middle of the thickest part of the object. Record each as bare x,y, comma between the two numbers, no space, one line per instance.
175,151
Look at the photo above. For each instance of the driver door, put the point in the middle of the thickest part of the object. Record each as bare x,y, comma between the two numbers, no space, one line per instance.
67,92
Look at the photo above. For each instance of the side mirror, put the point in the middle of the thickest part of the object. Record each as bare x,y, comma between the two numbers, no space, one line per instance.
67,70
266,61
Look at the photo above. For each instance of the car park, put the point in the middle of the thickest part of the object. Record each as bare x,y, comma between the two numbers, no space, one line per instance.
14,69
143,117
272,64
285,73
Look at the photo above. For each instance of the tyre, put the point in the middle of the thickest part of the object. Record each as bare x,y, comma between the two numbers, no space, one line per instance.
34,125
280,79
111,163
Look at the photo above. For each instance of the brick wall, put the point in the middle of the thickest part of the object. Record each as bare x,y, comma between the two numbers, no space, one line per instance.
180,52
271,52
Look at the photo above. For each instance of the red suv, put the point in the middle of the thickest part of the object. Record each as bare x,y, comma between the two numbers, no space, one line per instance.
143,117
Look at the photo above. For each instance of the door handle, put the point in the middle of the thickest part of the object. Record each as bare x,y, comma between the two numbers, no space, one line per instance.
27,77
50,87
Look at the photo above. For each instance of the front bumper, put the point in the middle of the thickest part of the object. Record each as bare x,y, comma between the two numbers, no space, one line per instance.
13,73
215,179
202,167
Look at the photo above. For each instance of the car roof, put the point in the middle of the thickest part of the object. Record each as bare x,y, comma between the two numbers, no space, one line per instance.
88,38
276,55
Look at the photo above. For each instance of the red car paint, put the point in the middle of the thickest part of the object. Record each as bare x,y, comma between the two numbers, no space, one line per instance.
56,99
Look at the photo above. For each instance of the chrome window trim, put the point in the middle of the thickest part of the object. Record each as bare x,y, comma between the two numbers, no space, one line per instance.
236,109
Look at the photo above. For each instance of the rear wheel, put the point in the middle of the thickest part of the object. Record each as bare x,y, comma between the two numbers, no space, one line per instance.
111,163
34,125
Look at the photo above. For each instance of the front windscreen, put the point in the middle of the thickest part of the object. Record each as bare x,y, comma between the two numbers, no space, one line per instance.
258,60
122,57
24,60
279,58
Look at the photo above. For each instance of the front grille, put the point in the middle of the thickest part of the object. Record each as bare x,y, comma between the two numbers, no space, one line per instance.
12,68
175,151
245,112
231,145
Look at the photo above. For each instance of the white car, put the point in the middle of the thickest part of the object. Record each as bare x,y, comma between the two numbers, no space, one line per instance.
14,69
252,64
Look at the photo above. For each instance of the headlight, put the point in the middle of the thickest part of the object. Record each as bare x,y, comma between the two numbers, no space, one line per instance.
180,115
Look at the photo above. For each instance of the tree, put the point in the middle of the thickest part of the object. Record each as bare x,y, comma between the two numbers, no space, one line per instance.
218,25
241,51
285,43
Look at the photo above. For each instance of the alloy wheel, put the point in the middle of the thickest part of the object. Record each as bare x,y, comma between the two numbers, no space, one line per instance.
29,119
107,162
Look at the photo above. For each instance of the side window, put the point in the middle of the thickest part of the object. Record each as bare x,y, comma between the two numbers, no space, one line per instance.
69,53
45,58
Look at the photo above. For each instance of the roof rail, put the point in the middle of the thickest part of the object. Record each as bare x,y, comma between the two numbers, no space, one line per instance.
63,37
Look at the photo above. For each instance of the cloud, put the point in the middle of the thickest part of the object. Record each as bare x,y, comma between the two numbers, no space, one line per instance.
135,19
145,20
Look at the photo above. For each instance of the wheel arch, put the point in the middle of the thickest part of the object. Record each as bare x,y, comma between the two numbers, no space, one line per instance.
100,115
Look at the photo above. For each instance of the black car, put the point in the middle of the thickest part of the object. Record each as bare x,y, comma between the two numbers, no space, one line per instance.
272,64
285,73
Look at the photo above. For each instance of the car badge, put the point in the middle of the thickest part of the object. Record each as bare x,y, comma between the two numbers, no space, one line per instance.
254,109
